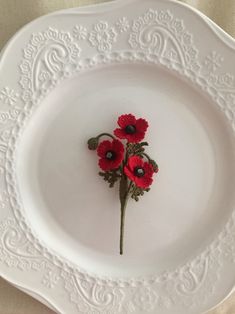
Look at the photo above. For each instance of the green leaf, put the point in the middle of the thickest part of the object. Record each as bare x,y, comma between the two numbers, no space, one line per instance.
137,192
137,148
111,176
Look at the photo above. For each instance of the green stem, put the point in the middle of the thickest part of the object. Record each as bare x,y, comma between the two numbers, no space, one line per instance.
106,134
144,154
124,201
122,225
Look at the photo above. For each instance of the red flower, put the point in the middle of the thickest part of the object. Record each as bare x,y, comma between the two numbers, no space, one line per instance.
131,129
111,154
139,171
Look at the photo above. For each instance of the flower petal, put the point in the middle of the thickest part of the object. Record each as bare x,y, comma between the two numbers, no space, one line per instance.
103,148
117,146
120,133
136,137
126,119
129,174
114,164
135,161
141,125
143,182
148,169
104,164
118,160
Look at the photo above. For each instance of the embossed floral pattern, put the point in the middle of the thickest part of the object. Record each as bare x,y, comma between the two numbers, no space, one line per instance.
4,199
231,99
29,52
25,67
44,76
79,32
50,279
5,135
25,82
27,95
213,61
103,36
137,40
6,116
178,26
171,54
147,34
226,80
122,25
63,51
187,38
92,297
145,299
14,247
164,17
8,96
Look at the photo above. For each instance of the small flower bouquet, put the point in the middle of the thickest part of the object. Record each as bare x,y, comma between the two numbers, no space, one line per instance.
127,164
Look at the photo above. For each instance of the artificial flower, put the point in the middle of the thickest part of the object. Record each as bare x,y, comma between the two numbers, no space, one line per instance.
139,171
131,129
111,154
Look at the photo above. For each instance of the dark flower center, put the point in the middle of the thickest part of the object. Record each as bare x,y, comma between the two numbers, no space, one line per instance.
139,172
130,129
110,155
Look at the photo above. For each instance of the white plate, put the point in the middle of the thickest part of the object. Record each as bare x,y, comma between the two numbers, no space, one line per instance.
68,76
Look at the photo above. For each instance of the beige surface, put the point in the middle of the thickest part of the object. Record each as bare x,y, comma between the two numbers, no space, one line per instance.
16,13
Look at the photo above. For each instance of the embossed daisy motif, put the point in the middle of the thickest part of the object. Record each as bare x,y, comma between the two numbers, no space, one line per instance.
125,163
9,96
122,25
79,32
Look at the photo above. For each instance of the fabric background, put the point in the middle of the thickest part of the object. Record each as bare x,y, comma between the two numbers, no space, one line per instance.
16,13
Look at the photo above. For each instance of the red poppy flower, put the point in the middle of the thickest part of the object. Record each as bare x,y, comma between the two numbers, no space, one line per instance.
131,129
111,154
139,171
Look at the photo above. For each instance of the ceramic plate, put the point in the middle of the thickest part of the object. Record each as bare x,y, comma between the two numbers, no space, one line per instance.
69,75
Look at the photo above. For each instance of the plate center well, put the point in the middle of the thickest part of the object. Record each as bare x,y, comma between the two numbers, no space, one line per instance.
72,209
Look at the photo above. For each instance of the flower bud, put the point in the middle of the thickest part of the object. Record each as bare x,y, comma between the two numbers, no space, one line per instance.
93,143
